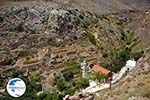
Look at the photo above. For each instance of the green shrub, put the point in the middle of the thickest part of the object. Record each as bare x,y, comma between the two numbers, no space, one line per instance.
42,96
81,16
37,87
36,77
137,55
53,42
8,62
70,90
92,38
53,96
119,60
68,75
82,83
55,80
123,55
16,73
107,66
99,77
73,66
23,53
60,85
1,82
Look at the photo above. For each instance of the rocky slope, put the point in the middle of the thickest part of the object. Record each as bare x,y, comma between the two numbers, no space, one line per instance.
100,6
50,24
37,36
141,25
40,18
135,86
106,6
23,27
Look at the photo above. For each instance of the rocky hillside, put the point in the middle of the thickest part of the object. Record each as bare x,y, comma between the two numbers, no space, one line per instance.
41,19
100,6
135,86
39,16
140,24
40,38
40,25
107,6
27,29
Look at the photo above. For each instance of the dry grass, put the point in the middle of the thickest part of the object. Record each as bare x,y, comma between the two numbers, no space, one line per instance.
139,87
144,87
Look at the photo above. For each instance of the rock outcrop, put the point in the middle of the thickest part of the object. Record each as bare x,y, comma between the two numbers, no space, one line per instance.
41,18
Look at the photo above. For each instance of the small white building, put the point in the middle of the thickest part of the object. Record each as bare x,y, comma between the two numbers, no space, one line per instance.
130,64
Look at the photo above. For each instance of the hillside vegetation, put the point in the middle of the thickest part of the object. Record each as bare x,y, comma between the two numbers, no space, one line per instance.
135,86
44,43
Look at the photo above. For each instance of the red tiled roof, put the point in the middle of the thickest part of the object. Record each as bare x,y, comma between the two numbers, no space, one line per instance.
100,69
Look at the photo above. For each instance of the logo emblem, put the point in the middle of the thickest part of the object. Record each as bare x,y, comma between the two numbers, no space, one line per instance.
16,87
